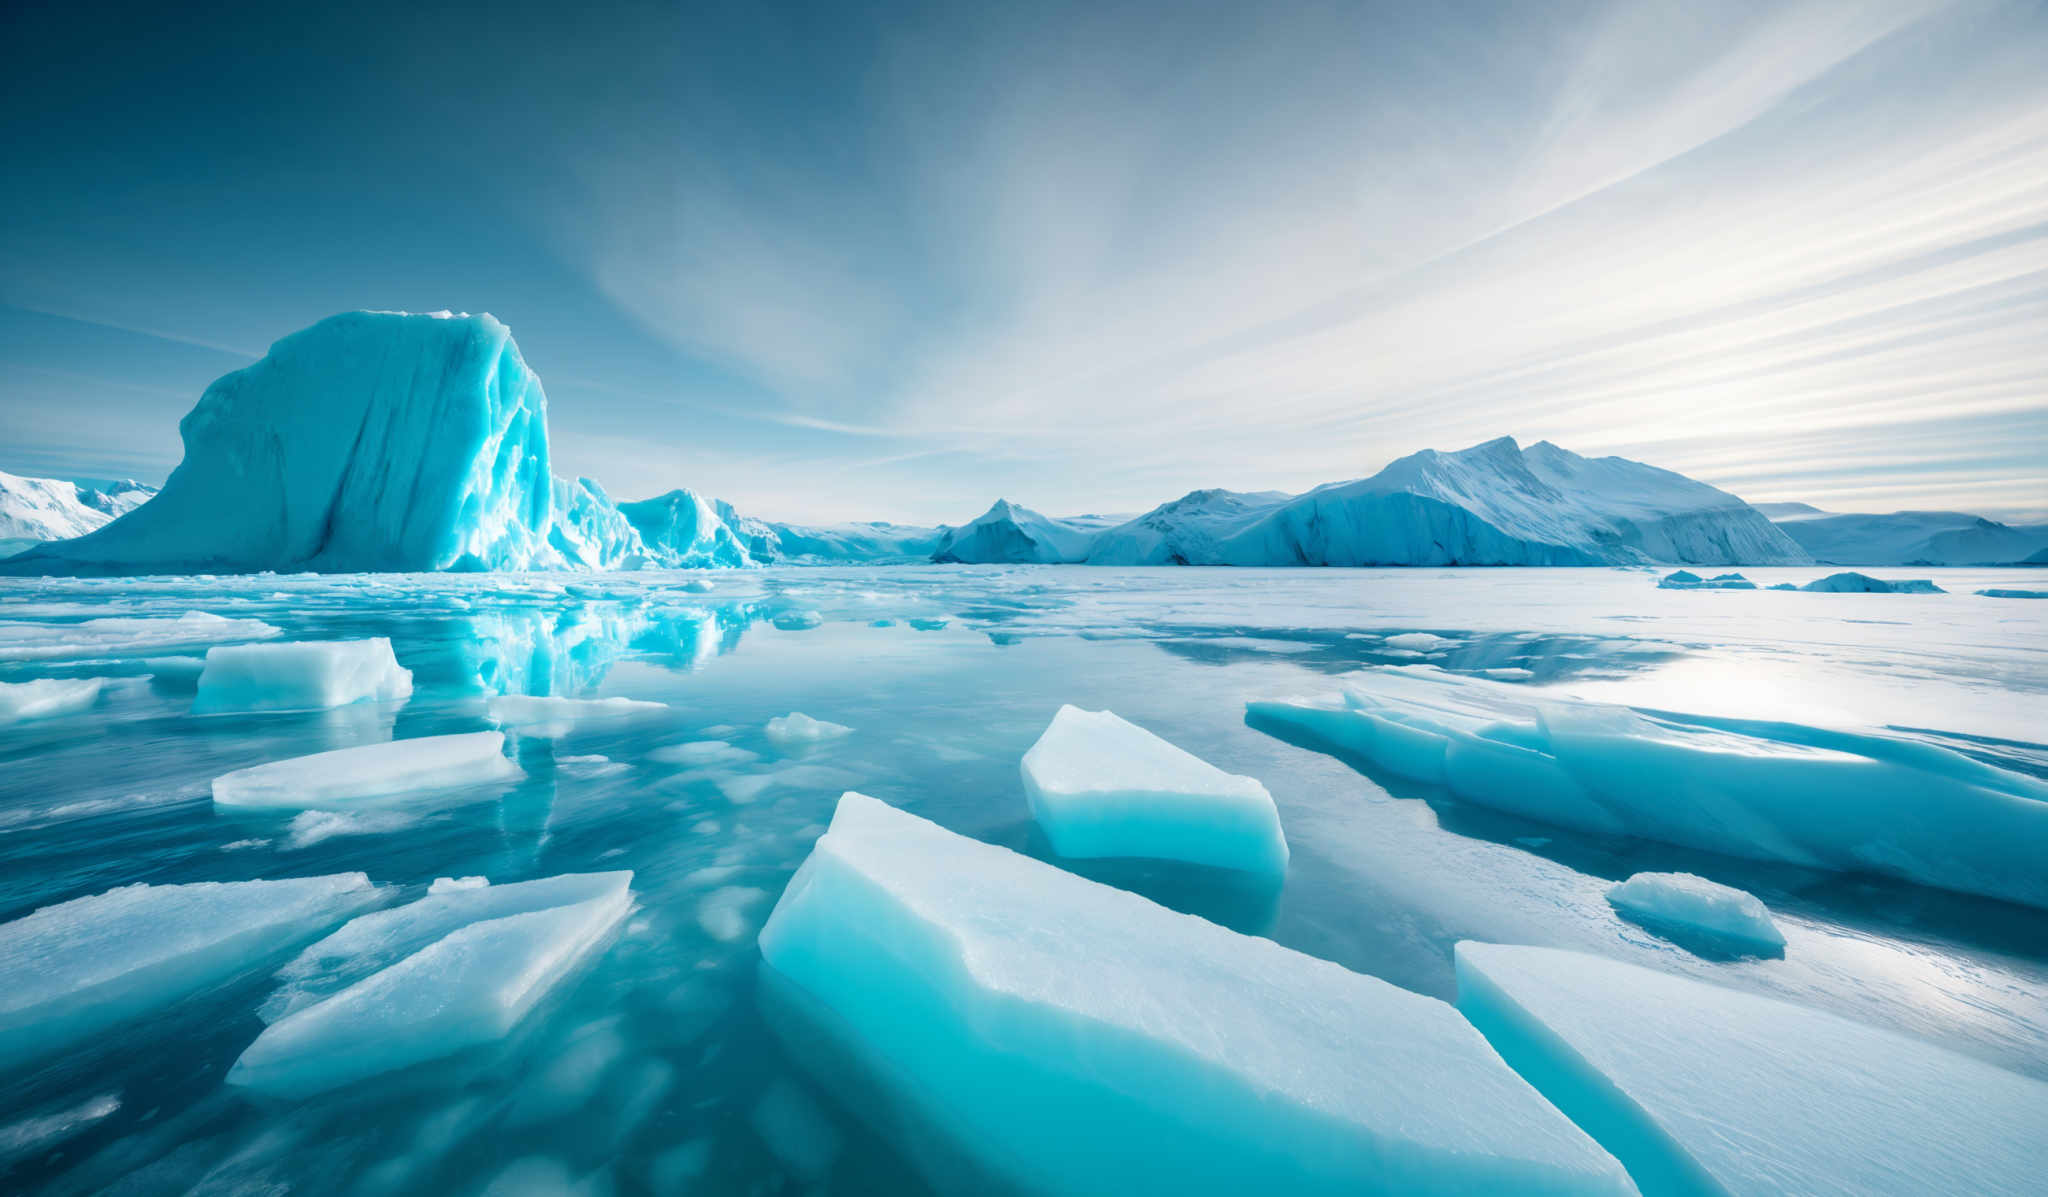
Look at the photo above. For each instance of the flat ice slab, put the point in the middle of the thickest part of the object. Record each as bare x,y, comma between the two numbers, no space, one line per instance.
455,970
1074,1038
1787,792
46,698
369,771
78,967
1101,786
550,718
1701,1089
302,675
1686,902
118,636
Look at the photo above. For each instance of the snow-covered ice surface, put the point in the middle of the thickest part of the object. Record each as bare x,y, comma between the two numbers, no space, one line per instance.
341,776
1704,1089
651,1068
1068,1037
302,675
1101,786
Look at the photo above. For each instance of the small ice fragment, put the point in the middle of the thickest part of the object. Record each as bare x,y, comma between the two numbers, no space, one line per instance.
449,885
1509,673
697,586
1417,641
46,698
797,621
75,968
1100,786
882,623
546,718
2006,593
701,752
305,675
313,826
799,728
1695,903
370,771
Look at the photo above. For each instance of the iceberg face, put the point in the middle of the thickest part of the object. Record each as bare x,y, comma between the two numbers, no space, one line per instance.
1684,902
456,970
1855,583
590,532
1100,786
685,531
370,771
76,968
303,675
1073,1038
369,441
1496,504
1013,535
1701,1089
1764,791
46,698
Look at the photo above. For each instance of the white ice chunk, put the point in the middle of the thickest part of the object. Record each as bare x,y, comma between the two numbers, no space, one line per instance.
452,971
1684,901
1100,786
799,728
797,621
47,698
1701,1089
1073,1038
551,718
346,775
1420,642
303,675
1809,796
75,968
118,636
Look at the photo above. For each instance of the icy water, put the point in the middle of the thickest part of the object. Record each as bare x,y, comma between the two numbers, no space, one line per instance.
653,1069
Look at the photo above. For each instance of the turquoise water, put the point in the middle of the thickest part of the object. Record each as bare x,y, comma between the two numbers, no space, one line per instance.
654,1070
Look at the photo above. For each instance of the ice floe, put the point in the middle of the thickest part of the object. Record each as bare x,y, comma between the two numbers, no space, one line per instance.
369,771
1073,1038
701,752
799,728
1684,902
303,675
1702,1089
797,621
1788,792
455,970
1855,583
78,967
2008,593
46,698
1101,786
1685,579
551,718
117,636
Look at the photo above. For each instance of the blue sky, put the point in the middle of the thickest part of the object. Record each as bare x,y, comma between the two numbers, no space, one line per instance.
893,260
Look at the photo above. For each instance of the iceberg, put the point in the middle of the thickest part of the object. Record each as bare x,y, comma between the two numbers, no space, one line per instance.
871,542
1685,902
1855,583
1067,1037
686,531
1008,533
121,636
1685,579
79,967
1497,504
1189,530
2004,593
1808,796
369,441
456,970
798,621
589,531
370,771
1909,537
1100,786
47,698
1702,1089
799,728
300,675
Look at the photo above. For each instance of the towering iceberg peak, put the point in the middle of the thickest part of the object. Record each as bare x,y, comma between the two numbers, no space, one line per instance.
687,530
590,531
369,441
1012,533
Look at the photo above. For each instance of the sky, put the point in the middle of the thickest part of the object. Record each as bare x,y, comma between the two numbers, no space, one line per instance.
894,260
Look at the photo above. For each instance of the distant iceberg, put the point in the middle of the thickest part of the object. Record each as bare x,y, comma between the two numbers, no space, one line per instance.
1011,534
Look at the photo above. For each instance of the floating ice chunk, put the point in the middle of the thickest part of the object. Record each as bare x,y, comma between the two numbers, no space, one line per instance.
303,675
1701,1089
551,718
1073,1038
40,1133
1855,583
75,968
592,765
370,771
797,621
1685,579
449,885
455,970
1420,642
882,623
2000,592
47,698
314,826
1684,901
799,728
124,636
701,752
1100,786
698,586
797,1133
1803,795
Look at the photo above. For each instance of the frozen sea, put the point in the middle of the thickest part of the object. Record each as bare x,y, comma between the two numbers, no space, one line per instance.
653,1069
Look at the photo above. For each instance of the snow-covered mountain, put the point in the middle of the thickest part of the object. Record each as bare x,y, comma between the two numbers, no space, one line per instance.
39,509
1907,537
1188,531
872,543
1009,533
